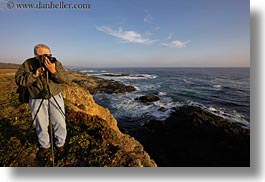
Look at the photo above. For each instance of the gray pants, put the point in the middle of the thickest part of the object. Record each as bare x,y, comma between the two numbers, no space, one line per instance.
42,120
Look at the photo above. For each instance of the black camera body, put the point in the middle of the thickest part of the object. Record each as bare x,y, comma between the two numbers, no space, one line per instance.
51,59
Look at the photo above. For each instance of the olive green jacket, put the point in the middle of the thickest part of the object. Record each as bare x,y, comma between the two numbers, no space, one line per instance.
38,87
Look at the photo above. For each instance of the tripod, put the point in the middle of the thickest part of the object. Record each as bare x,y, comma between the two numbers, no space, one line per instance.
46,93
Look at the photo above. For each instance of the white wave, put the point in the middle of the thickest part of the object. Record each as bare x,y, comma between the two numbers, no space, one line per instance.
212,109
131,78
125,106
149,76
137,88
113,74
162,93
109,75
186,81
192,103
84,71
218,87
167,103
147,87
91,71
232,116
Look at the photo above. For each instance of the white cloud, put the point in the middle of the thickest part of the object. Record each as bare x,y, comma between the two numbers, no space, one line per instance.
149,20
127,36
176,44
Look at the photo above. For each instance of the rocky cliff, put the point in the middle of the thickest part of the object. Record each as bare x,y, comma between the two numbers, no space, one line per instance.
93,136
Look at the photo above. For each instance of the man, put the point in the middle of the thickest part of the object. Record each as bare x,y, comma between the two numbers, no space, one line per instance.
43,76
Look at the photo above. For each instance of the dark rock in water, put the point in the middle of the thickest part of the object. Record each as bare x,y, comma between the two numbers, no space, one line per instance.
115,75
148,98
100,85
122,75
162,109
194,137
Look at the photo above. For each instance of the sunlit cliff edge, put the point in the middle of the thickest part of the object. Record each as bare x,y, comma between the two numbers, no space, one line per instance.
94,138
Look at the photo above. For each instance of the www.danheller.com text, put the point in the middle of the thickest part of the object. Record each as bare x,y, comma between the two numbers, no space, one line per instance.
48,5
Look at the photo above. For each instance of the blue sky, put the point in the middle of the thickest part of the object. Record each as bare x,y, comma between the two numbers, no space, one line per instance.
126,33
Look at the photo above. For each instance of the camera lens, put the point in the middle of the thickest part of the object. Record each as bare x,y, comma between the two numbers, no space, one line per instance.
52,59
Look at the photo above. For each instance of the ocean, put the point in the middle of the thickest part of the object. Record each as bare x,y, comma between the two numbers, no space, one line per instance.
222,91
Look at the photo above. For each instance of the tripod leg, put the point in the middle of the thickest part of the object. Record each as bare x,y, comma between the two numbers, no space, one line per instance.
51,130
58,105
38,110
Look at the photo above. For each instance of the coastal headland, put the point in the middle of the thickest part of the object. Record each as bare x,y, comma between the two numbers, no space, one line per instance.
93,136
190,136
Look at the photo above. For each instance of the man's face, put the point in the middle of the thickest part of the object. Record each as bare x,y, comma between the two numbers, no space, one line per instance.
42,51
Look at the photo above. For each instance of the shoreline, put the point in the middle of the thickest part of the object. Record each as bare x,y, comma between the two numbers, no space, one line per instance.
222,111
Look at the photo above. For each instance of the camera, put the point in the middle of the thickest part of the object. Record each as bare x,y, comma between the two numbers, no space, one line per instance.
49,56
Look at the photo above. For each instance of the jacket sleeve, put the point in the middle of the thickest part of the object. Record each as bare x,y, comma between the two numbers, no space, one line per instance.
24,77
60,76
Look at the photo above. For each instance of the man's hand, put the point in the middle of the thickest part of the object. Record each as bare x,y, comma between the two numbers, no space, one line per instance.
38,72
50,66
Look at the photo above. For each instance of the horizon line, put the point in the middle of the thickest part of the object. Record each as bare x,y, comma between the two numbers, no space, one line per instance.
95,67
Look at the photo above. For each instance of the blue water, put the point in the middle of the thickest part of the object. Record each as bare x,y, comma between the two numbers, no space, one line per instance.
223,91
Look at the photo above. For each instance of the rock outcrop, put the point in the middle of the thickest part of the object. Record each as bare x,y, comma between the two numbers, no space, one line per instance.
116,148
194,137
